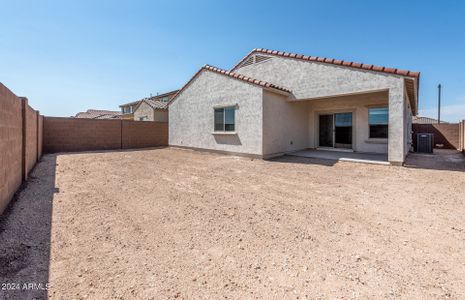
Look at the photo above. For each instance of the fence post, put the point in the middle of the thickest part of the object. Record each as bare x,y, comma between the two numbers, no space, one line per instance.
121,134
23,148
37,135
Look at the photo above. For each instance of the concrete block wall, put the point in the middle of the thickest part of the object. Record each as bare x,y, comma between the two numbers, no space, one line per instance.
445,134
144,134
20,147
31,138
73,135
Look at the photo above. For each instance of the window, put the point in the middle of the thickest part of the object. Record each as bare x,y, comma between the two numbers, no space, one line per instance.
378,119
127,109
165,99
225,119
144,118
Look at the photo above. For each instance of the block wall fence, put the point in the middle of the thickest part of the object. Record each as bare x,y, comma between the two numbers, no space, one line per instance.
446,134
20,142
74,135
25,135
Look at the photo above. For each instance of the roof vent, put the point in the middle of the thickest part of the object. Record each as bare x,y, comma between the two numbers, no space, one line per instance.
254,59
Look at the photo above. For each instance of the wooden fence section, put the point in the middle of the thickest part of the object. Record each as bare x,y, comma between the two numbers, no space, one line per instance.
447,135
73,135
20,142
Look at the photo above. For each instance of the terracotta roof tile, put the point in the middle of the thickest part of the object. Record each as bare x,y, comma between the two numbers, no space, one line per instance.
416,75
156,97
98,114
232,75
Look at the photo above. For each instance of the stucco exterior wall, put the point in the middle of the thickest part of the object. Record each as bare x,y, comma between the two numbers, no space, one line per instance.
313,80
398,123
358,105
191,115
309,79
144,110
285,125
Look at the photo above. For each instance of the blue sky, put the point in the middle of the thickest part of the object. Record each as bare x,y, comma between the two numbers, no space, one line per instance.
68,56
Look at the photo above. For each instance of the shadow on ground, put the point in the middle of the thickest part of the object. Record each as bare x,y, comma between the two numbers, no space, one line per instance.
304,160
441,159
25,230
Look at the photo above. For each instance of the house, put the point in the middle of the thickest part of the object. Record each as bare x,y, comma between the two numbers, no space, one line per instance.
149,109
274,102
98,114
127,110
154,108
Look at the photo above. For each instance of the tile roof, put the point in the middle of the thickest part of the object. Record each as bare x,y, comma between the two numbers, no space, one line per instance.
170,94
98,114
257,82
155,104
331,61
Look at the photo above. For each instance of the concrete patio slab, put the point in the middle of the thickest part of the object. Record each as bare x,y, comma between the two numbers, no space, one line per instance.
367,158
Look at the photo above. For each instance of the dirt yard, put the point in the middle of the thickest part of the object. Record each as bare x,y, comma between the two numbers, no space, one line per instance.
167,223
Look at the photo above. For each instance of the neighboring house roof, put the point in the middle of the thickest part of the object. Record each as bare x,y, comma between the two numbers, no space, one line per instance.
155,104
331,61
98,114
155,98
425,120
130,103
260,83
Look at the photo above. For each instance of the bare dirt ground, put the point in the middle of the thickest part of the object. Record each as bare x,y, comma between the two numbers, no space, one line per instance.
167,223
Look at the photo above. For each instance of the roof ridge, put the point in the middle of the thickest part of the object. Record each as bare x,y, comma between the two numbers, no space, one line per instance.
368,67
231,74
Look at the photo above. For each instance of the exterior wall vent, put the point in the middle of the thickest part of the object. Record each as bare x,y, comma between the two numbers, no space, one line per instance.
254,59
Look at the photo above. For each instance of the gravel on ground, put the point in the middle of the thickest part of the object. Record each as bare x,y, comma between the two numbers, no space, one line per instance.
170,223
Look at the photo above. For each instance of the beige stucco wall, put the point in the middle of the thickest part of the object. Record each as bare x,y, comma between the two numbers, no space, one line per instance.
358,105
313,80
191,115
290,126
285,125
145,110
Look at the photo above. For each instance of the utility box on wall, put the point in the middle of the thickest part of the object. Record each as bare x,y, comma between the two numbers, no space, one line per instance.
425,142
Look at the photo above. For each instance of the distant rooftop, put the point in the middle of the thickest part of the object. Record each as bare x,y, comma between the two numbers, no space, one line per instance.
98,114
157,98
426,120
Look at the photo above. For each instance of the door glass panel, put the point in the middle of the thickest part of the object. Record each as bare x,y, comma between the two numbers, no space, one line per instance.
343,130
326,131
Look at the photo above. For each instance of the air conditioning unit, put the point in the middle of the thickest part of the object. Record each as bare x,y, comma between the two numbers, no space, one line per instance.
425,142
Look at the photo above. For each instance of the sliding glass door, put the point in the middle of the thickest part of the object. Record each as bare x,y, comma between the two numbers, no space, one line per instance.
343,130
335,130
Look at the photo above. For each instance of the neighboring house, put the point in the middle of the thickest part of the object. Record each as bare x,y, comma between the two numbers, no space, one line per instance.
154,108
426,120
148,109
98,114
127,110
274,102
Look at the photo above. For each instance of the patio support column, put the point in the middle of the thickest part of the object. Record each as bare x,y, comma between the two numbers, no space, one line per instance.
397,123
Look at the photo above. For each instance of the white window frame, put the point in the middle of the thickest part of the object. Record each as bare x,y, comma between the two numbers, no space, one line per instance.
224,107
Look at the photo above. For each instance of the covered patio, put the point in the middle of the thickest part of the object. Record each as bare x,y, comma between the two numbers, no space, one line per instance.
357,157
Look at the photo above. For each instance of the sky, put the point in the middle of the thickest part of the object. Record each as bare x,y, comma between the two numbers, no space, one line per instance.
69,56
